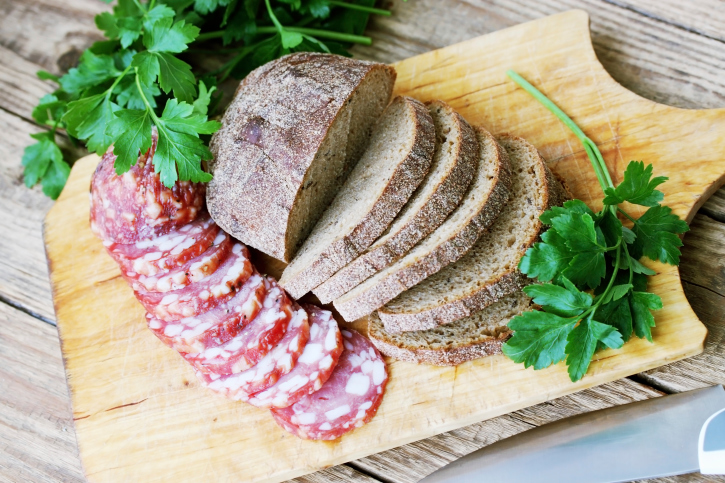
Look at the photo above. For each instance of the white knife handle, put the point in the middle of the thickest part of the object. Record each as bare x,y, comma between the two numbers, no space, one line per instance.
711,446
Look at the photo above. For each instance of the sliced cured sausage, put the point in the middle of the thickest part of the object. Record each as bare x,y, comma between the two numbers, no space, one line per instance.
348,400
216,326
136,205
204,295
194,270
254,342
313,368
278,362
165,252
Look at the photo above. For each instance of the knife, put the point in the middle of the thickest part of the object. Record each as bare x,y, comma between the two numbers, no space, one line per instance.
664,436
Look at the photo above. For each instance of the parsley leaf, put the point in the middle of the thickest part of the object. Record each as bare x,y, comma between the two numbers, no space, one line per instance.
43,161
92,71
641,304
539,339
565,301
656,233
87,118
132,131
582,342
638,187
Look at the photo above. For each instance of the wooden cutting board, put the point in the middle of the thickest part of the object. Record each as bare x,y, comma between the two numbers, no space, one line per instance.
140,415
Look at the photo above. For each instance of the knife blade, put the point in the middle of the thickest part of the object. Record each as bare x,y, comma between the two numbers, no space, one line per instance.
646,439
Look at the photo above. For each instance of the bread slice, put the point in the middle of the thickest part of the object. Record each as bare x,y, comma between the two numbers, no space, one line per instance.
483,202
294,131
454,164
489,270
394,164
480,335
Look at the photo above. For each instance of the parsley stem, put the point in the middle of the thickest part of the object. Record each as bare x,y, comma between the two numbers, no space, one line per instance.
273,17
322,34
140,7
595,156
361,8
626,215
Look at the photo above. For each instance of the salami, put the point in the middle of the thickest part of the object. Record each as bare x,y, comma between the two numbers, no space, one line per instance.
194,270
278,362
204,295
218,325
313,368
165,252
348,400
136,205
254,342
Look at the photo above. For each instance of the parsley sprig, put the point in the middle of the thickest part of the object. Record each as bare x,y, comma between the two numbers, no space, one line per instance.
593,287
146,76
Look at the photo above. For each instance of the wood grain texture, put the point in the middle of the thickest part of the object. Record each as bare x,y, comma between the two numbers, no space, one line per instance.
704,17
121,377
37,442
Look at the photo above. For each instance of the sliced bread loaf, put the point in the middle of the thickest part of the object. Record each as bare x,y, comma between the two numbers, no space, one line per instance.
294,131
489,270
480,335
480,206
394,164
454,164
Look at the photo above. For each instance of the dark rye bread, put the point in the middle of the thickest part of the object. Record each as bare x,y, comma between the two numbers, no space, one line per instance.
294,131
394,164
454,163
488,271
480,335
479,208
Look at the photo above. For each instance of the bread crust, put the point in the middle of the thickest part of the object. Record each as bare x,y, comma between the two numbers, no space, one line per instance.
448,251
393,245
280,116
406,178
505,284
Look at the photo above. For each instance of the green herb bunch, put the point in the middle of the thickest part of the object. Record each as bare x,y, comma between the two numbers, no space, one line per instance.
144,75
594,288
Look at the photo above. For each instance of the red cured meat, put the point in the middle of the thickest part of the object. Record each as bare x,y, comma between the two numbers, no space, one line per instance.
348,400
278,362
313,368
163,253
192,271
136,205
204,295
218,325
254,342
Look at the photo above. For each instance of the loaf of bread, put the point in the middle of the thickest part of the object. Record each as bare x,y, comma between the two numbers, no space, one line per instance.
488,271
295,130
484,201
454,164
394,164
480,335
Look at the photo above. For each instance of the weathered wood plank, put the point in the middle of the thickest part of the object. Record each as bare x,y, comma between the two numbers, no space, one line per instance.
37,442
336,474
49,33
714,207
20,88
22,256
653,59
705,17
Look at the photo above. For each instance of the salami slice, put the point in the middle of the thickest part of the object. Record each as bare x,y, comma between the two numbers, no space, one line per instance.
348,400
136,205
313,368
165,252
194,270
204,295
254,342
218,325
278,362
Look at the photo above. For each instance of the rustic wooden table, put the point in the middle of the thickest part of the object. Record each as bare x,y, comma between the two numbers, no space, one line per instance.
670,51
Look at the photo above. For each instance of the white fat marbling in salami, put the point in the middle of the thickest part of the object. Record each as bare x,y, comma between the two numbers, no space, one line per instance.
216,326
204,295
348,400
192,271
136,205
278,362
254,342
165,252
313,368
